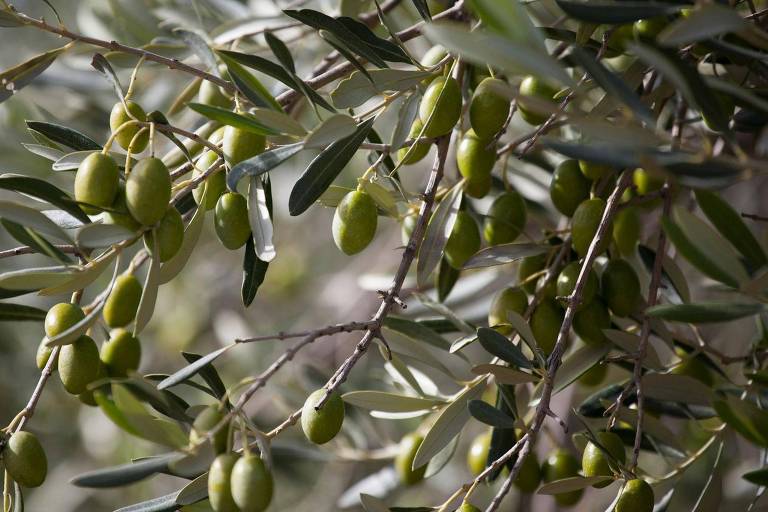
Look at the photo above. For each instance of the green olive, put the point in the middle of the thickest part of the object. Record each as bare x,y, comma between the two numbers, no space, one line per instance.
477,455
590,321
529,266
545,324
626,230
251,484
506,300
464,240
566,282
409,445
207,419
594,171
621,36
123,301
506,218
467,507
214,185
96,182
586,220
488,110
620,287
25,460
239,145
649,28
219,483
476,76
594,462
118,213
148,190
170,235
121,354
636,496
61,317
440,107
354,222
475,159
320,426
119,116
540,92
646,182
594,376
421,149
529,476
211,94
79,364
88,396
561,464
433,56
43,354
231,220
409,224
568,187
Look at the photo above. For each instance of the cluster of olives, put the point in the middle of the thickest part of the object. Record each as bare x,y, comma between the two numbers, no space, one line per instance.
239,483
24,459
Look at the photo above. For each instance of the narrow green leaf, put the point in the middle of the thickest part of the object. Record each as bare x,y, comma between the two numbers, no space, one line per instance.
671,387
757,477
176,264
32,279
504,374
358,88
192,369
29,217
44,191
20,313
261,163
230,118
502,347
335,127
102,65
389,402
745,418
705,312
19,76
82,277
504,253
165,503
208,373
703,22
571,484
149,291
254,272
102,235
578,363
125,474
64,135
415,331
615,13
438,231
36,241
488,414
250,86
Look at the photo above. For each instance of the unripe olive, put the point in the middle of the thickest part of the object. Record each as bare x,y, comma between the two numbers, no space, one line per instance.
443,97
566,282
645,182
354,222
87,397
123,302
594,171
626,230
170,235
96,182
594,461
561,464
488,110
568,187
25,460
529,477
433,56
506,300
636,496
477,455
207,419
540,91
61,317
119,116
649,28
620,37
219,483
43,354
251,484
476,76
214,185
506,218
586,220
620,287
211,94
464,240
590,321
231,220
421,149
320,426
239,145
529,266
545,324
594,376
118,213
467,507
409,445
409,224
121,354
438,6
78,364
475,159
148,190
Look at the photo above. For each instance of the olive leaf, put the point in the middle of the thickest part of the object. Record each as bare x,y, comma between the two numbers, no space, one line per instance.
19,76
261,163
254,272
438,231
44,191
260,219
225,116
389,402
20,313
615,13
335,127
64,135
125,474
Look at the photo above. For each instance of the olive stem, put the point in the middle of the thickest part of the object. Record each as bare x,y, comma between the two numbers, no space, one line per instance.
132,81
113,135
25,249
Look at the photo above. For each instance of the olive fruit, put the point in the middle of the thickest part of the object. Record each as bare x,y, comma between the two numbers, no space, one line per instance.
586,220
121,354
219,487
649,28
566,282
541,92
96,182
620,287
626,230
354,222
214,185
409,445
251,484
645,182
409,224
529,266
118,213
87,397
464,240
506,300
568,187
211,94
505,219
231,220
207,419
440,107
119,116
169,233
529,476
433,56
561,464
42,355
25,460
594,376
477,455
620,37
79,364
320,426
123,301
594,461
476,76
467,507
438,6
239,145
475,159
545,324
148,190
488,109
594,171
420,151
61,317
694,367
636,496
589,322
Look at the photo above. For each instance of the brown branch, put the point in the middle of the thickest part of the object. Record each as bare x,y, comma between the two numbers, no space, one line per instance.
25,249
324,331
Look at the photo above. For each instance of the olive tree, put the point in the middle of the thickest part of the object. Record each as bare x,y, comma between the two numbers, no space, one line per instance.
575,184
